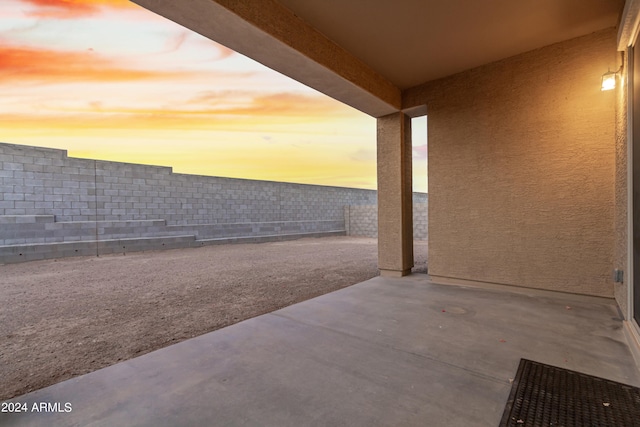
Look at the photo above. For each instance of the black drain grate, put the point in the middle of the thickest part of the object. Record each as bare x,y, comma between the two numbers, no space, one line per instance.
544,395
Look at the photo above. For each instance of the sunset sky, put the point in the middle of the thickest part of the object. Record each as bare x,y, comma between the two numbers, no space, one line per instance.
107,79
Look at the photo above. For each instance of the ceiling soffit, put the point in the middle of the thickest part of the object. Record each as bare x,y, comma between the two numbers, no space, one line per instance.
414,41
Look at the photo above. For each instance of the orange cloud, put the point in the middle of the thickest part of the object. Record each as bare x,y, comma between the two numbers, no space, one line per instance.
284,113
28,64
68,9
156,120
278,104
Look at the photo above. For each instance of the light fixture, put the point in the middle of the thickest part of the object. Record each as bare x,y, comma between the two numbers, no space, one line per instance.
609,80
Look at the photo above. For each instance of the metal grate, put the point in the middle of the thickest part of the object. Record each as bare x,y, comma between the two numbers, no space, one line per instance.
544,395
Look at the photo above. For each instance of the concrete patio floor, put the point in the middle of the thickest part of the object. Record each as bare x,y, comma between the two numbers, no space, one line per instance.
385,352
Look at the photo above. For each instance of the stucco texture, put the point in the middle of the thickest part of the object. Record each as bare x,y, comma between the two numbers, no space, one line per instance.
395,224
522,169
621,236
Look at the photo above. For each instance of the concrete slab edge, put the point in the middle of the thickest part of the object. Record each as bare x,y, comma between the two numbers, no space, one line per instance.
632,334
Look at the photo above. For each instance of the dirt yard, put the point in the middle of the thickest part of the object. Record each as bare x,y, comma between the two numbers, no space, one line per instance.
60,319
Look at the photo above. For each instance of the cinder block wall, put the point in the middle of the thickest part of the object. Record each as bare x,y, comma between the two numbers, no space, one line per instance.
362,220
522,156
42,181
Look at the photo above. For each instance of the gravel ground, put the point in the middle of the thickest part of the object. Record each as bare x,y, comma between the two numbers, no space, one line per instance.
64,318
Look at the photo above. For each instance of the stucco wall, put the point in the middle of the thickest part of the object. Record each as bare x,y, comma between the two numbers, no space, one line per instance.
522,157
620,221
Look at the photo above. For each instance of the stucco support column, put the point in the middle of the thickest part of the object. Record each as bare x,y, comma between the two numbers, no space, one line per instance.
395,205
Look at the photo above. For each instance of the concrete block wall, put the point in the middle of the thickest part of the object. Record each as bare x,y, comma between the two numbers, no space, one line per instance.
362,220
52,205
42,181
421,220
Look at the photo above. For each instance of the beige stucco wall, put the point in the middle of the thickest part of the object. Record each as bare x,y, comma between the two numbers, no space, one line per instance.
522,158
395,224
620,212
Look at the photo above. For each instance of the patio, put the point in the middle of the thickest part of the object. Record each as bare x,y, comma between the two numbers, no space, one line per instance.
387,351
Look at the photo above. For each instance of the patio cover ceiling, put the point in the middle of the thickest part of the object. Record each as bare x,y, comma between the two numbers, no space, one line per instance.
366,52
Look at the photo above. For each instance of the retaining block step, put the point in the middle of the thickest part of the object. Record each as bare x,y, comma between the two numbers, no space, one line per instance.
39,251
267,238
224,230
26,219
116,223
35,237
59,232
52,232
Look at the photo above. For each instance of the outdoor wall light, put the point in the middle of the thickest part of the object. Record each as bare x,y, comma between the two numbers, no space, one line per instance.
609,80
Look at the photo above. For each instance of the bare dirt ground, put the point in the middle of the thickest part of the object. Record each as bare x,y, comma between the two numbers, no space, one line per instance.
63,318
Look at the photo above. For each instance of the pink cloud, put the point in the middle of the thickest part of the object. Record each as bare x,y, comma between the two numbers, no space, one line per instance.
420,152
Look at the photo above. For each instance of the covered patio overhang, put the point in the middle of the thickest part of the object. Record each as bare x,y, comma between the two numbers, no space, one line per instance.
529,195
527,165
502,83
530,212
530,163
